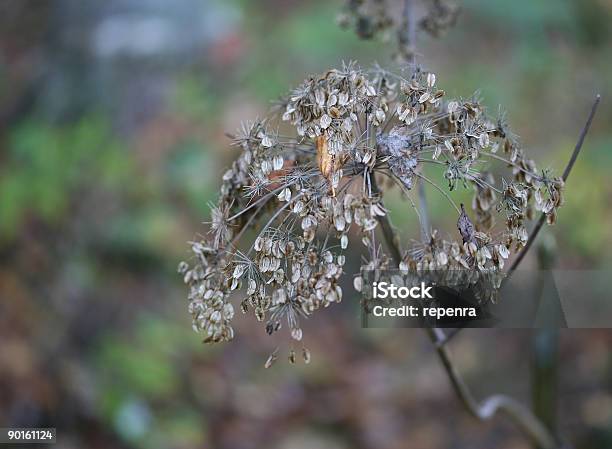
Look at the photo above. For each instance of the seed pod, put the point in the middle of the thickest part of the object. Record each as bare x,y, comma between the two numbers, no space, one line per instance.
466,228
344,241
306,355
267,142
296,333
269,328
271,360
358,283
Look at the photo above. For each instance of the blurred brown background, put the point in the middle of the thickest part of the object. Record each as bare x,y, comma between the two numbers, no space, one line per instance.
112,122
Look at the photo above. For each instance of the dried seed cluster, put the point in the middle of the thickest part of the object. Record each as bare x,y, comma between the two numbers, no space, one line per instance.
372,18
309,195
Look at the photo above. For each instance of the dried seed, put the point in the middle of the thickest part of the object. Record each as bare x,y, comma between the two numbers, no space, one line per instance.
306,355
326,120
271,359
344,241
358,283
296,333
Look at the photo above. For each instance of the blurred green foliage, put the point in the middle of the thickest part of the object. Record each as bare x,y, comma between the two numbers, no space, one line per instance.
46,166
137,374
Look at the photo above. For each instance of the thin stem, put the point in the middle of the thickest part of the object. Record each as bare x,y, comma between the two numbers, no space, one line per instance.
481,182
513,164
389,234
407,40
407,34
405,192
265,197
545,350
247,224
275,216
424,211
441,191
448,335
489,407
566,172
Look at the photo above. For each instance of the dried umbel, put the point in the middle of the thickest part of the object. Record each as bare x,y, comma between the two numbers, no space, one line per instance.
308,196
387,18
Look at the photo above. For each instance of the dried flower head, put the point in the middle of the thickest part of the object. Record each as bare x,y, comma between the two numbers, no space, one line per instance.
311,194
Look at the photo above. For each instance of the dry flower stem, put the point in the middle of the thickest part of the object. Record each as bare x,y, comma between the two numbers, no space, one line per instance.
410,30
391,237
409,34
489,407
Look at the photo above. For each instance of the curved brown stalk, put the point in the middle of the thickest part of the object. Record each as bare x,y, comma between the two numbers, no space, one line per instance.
488,408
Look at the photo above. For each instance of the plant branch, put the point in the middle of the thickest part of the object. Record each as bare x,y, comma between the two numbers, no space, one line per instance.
424,212
488,408
407,39
390,236
407,33
566,172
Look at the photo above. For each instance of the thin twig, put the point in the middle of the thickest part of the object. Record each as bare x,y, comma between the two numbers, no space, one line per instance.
275,216
437,187
389,234
408,41
407,34
566,172
424,212
448,335
489,407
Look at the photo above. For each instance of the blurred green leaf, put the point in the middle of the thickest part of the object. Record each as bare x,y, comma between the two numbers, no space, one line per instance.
46,164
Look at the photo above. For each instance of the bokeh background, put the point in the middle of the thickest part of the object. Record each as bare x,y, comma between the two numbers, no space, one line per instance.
113,117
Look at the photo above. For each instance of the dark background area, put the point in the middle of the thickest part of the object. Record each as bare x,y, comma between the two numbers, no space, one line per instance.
113,117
